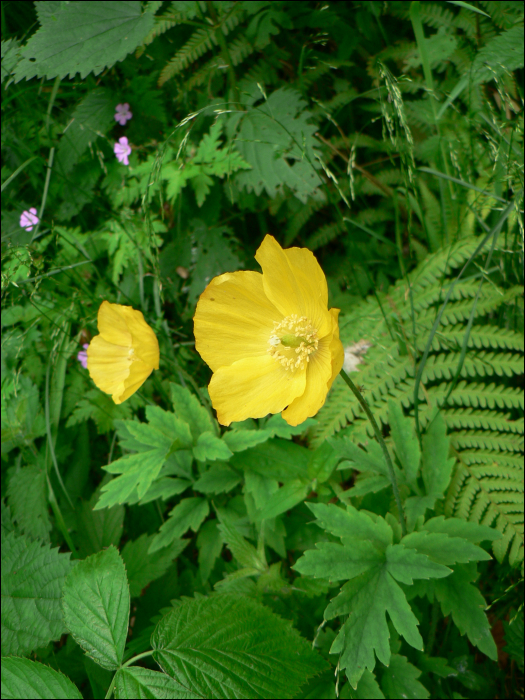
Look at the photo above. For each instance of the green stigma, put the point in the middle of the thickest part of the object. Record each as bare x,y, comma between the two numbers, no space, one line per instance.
293,341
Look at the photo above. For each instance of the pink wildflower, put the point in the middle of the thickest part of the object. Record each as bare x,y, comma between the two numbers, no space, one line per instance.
123,114
122,150
82,356
29,219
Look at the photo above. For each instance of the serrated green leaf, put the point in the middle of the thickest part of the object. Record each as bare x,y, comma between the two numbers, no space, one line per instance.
363,460
322,462
188,408
190,512
399,680
276,459
134,682
164,488
468,530
352,523
405,441
444,549
278,427
406,564
27,498
239,440
22,679
209,544
96,607
260,487
209,447
466,605
138,471
285,498
172,427
32,578
218,479
368,687
97,529
230,647
142,567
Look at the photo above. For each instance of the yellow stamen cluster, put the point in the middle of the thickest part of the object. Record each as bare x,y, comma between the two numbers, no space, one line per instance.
292,342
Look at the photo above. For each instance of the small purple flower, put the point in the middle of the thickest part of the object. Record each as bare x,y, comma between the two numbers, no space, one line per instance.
123,114
122,150
82,356
29,219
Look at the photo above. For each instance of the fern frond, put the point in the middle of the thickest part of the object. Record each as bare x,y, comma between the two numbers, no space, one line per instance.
201,41
479,395
487,440
481,364
480,337
325,234
299,219
469,418
492,495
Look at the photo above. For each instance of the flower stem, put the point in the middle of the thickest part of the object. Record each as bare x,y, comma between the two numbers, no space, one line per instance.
379,438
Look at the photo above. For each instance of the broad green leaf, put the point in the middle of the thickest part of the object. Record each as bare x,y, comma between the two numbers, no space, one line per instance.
276,459
134,682
436,467
96,607
285,498
459,598
209,544
24,679
190,512
188,408
399,680
455,527
367,687
322,462
278,427
349,522
86,47
142,567
260,487
27,497
243,551
405,441
165,487
406,564
97,529
218,479
32,578
227,646
137,471
174,428
369,460
444,549
239,440
209,447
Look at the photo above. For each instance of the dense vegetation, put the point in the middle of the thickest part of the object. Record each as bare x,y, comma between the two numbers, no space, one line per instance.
148,551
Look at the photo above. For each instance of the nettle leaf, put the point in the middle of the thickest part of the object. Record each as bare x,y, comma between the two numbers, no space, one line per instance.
374,565
22,679
143,568
96,607
152,442
209,447
190,512
135,682
399,680
227,646
32,578
27,497
405,441
189,409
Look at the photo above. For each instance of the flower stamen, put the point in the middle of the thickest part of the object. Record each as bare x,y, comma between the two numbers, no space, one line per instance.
292,342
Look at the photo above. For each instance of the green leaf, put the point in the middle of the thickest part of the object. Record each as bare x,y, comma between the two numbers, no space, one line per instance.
443,549
137,471
455,527
276,459
322,462
165,487
285,498
239,440
278,427
227,646
367,687
135,682
32,578
260,487
97,529
143,568
27,497
400,680
189,409
23,679
209,447
243,551
100,407
190,512
218,479
96,607
209,544
405,441
436,467
466,605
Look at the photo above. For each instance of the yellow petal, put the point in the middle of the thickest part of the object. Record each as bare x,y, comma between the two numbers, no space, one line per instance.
138,373
253,387
108,364
234,319
112,325
143,339
294,282
318,377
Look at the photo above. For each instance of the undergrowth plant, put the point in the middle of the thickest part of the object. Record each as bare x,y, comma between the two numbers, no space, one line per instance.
376,549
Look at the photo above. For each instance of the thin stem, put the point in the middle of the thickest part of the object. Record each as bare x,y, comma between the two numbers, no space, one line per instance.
379,438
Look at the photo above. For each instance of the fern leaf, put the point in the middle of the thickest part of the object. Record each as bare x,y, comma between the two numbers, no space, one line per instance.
201,41
480,395
482,364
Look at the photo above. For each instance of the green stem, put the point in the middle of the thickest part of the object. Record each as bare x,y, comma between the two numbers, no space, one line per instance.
224,49
379,438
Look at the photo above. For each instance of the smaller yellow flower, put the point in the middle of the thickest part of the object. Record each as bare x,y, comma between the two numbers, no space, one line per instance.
122,357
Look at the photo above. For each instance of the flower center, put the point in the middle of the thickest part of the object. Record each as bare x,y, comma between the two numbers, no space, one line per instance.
292,342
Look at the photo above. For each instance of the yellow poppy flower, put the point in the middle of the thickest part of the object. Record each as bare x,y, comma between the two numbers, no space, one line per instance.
125,353
270,339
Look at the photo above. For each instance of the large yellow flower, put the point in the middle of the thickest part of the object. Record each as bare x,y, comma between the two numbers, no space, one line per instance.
270,339
125,353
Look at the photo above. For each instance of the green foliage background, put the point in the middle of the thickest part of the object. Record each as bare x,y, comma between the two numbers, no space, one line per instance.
146,550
